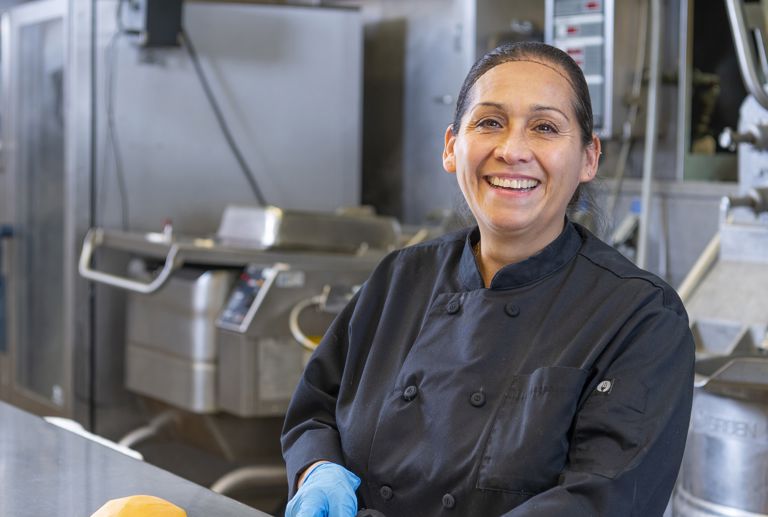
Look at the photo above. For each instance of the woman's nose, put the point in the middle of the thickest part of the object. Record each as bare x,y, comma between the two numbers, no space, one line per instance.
514,148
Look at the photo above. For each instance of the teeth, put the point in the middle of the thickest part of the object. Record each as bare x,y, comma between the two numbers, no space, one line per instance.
514,184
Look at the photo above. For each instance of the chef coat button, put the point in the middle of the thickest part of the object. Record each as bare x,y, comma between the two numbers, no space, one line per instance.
452,307
386,492
477,399
448,501
410,393
511,309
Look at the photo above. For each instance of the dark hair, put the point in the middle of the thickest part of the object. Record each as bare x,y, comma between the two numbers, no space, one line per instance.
535,51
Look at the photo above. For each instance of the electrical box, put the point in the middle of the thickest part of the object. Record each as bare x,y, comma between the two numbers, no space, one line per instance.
156,23
602,37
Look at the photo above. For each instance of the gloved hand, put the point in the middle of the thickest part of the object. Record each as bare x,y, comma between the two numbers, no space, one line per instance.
328,491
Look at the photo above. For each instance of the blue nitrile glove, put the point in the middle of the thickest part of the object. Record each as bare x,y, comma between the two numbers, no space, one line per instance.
328,491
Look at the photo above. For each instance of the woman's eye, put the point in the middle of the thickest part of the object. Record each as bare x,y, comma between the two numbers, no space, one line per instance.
545,127
489,123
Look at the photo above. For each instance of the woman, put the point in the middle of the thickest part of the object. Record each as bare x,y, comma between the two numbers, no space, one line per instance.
520,368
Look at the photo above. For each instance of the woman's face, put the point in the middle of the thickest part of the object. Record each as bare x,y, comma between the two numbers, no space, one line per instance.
518,155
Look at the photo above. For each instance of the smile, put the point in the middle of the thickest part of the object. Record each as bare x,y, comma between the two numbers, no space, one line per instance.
513,184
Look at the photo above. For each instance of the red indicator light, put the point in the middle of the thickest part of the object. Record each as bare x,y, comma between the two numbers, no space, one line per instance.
572,30
592,5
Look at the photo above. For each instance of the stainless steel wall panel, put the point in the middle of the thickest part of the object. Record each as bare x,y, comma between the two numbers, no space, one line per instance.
494,21
440,48
289,83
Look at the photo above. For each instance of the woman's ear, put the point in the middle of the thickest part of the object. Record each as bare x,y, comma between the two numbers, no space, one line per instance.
449,158
591,160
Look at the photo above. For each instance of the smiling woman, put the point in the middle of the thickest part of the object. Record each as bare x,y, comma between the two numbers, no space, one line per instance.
519,368
519,156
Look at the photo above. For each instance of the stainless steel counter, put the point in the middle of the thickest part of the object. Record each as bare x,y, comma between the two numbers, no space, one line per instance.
46,470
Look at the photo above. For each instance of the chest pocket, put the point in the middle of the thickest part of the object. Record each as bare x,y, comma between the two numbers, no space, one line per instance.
528,442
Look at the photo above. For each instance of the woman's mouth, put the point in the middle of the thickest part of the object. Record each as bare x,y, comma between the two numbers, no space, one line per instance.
518,185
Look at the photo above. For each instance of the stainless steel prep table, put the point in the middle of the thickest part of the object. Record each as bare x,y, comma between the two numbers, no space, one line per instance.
46,470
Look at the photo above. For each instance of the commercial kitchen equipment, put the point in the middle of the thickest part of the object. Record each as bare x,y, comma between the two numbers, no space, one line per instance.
66,74
726,458
217,328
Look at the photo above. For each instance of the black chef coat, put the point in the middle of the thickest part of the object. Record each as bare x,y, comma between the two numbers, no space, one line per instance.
564,389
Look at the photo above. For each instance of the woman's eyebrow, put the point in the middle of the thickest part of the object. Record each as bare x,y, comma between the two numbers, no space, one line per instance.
540,107
490,105
534,108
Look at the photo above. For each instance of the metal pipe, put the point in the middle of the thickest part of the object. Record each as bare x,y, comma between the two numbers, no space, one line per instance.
634,108
650,133
744,51
255,475
699,269
148,431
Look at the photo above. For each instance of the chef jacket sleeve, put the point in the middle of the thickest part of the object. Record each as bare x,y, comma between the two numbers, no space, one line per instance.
628,437
310,432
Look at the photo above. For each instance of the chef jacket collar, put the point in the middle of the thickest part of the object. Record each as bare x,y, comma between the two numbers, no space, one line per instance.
551,258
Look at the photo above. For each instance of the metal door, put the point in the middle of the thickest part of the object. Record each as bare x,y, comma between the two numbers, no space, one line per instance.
37,359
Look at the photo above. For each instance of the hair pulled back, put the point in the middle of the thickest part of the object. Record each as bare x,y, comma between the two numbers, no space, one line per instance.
539,52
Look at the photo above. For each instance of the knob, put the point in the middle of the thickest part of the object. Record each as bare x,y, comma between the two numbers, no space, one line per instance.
730,138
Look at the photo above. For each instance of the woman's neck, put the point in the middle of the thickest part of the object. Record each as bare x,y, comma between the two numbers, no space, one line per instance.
493,251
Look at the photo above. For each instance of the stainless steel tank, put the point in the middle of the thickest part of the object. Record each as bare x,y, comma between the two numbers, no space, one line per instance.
724,469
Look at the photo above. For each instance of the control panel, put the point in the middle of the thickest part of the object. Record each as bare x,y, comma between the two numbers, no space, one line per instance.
601,36
249,291
582,29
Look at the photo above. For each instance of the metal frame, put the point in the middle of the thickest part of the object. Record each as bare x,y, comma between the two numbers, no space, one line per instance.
716,167
609,24
684,88
12,23
78,155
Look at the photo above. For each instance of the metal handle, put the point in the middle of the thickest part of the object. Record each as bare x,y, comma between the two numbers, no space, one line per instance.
729,139
6,232
747,60
95,238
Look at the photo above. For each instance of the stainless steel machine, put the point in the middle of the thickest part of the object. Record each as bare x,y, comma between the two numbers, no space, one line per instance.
726,459
224,323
